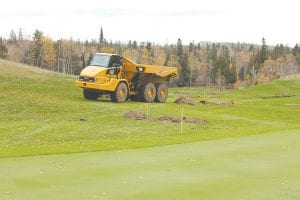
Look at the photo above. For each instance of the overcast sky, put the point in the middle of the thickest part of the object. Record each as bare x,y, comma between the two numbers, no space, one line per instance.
157,21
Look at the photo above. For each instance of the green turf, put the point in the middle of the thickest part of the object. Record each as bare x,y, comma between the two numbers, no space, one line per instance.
44,113
260,167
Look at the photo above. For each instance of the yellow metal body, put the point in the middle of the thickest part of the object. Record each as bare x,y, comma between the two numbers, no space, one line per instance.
103,80
98,78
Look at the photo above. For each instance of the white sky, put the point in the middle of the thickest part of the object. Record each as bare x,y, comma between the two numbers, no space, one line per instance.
157,21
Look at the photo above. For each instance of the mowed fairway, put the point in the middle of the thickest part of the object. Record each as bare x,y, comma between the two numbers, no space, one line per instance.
252,167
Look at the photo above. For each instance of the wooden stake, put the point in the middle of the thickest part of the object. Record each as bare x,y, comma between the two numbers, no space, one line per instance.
181,122
147,114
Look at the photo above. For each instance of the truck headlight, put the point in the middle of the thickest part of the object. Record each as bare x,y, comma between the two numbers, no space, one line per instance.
140,69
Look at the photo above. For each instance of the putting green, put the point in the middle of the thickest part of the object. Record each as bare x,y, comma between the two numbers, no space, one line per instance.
252,167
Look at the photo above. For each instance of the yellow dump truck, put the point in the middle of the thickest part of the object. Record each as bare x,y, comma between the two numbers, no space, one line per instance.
124,79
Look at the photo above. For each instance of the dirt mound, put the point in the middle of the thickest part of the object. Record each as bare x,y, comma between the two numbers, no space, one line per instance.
135,115
284,95
185,100
194,120
223,102
169,118
142,116
185,119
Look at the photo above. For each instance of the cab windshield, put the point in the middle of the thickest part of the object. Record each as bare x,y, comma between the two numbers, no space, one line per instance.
100,60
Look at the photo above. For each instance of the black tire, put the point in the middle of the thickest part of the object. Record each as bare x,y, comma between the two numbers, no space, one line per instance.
161,93
121,93
147,92
90,95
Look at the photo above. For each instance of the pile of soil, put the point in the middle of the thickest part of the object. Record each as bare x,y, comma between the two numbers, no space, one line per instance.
221,102
185,100
279,96
142,116
135,115
194,120
185,119
169,119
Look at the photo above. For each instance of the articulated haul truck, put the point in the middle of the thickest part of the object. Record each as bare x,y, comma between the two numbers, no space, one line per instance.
124,79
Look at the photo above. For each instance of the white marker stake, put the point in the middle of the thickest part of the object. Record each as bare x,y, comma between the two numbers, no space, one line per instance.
147,111
181,123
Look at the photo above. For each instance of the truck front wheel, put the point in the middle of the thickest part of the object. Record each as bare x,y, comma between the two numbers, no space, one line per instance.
90,95
121,93
161,93
148,92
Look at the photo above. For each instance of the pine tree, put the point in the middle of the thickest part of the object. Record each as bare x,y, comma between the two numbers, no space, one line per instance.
184,74
134,45
20,35
179,49
242,73
150,49
3,49
296,50
37,48
264,51
12,37
101,41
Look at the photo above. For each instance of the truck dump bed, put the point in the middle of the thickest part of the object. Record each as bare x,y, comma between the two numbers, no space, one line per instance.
155,73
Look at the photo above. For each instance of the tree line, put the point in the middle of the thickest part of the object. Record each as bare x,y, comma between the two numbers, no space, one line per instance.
202,63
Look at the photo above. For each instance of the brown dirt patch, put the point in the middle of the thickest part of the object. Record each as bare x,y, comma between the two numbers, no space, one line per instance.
185,119
135,115
194,120
185,100
221,102
169,118
284,95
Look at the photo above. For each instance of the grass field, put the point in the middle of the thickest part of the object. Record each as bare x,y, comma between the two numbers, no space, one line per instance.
260,167
43,113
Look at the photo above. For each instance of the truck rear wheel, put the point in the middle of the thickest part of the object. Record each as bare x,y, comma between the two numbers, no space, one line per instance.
148,92
90,95
121,93
161,93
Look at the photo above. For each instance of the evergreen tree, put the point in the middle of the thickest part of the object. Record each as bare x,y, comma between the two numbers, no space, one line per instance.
179,49
211,60
3,49
296,50
264,51
150,49
37,48
134,45
12,37
242,73
101,38
230,74
184,76
101,41
20,35
191,47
